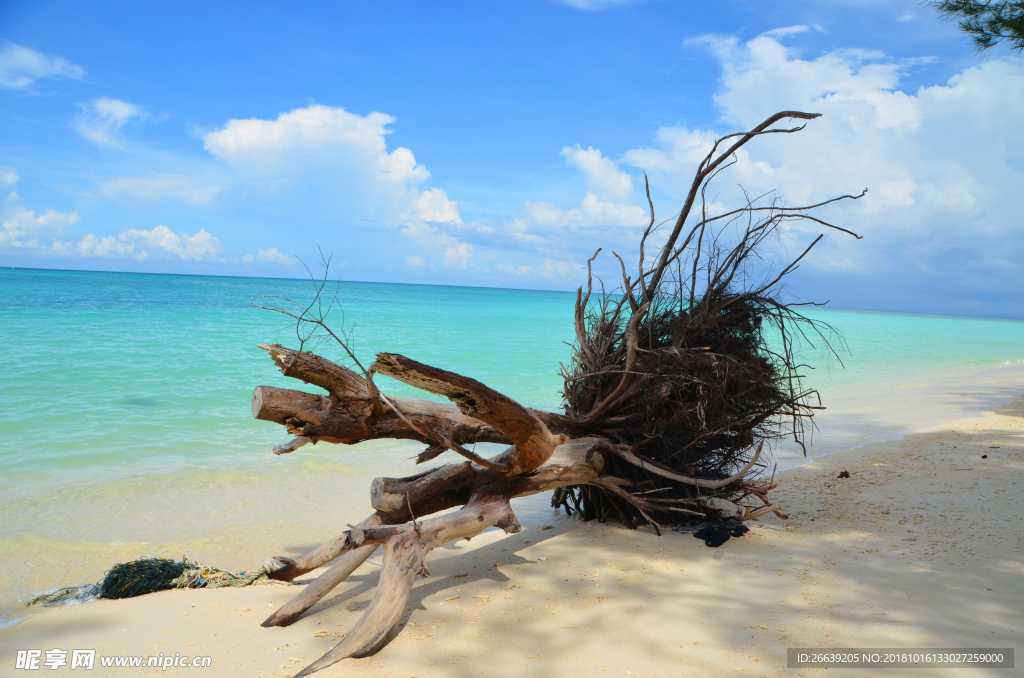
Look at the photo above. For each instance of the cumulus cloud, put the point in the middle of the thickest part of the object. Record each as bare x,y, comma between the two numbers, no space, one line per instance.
606,205
331,159
433,225
324,166
548,269
340,163
100,121
24,228
939,161
558,237
182,245
159,187
93,246
434,205
591,212
458,255
270,255
38,233
315,136
21,67
437,245
159,242
604,177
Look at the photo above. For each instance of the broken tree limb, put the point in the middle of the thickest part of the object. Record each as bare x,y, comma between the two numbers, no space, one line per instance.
534,442
627,454
351,421
292,445
336,379
578,461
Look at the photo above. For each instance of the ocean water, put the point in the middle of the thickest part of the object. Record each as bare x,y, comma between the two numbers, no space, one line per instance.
125,426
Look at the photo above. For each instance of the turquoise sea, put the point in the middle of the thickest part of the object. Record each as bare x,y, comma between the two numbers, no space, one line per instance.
125,425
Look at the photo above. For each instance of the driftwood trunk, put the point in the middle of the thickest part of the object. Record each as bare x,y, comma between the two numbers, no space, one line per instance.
673,389
543,457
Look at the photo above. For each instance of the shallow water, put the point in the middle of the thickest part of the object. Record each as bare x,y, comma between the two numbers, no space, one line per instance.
125,428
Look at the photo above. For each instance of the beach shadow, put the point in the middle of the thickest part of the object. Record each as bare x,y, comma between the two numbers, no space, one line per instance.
898,555
448,569
1014,409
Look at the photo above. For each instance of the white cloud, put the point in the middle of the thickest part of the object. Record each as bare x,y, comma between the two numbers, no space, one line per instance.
434,205
20,67
591,212
159,187
786,31
22,228
549,269
607,205
184,246
158,242
271,255
341,159
28,231
437,245
541,231
679,148
330,164
603,176
320,165
941,162
313,136
458,256
100,121
92,246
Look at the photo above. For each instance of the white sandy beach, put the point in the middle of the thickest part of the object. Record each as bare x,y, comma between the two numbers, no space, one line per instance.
921,547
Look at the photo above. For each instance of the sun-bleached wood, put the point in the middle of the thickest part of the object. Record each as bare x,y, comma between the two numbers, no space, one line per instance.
318,557
404,555
348,563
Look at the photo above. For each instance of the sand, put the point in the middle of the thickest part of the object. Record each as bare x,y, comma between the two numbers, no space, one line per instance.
920,547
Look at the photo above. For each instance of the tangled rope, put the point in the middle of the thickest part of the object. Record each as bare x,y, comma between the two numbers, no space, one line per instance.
146,575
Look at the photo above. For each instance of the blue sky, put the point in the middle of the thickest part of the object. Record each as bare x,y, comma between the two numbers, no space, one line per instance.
501,143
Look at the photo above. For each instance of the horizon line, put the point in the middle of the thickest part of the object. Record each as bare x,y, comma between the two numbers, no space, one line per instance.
473,287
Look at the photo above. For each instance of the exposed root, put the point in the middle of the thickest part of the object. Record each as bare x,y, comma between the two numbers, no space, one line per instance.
404,553
324,584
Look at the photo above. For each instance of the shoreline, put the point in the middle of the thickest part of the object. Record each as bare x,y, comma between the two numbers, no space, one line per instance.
906,552
994,390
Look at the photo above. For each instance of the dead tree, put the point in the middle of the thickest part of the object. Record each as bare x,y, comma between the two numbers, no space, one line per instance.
678,378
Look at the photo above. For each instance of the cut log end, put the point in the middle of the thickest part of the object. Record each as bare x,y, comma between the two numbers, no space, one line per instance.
383,500
257,402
